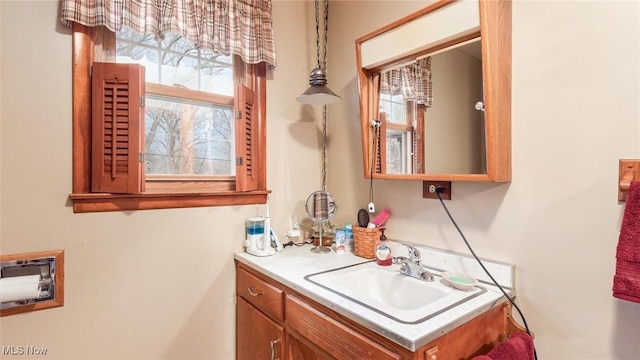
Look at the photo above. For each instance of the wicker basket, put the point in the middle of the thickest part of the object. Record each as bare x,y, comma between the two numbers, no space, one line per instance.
365,240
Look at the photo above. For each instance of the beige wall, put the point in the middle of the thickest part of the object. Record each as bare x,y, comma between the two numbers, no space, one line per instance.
576,111
159,284
139,285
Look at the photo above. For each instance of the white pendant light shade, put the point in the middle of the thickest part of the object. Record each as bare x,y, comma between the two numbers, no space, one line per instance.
318,93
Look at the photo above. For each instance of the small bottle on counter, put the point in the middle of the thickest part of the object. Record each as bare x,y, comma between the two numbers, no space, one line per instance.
383,251
341,240
348,228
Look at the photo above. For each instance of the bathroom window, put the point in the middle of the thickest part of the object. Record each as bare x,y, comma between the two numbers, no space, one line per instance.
203,141
189,123
403,130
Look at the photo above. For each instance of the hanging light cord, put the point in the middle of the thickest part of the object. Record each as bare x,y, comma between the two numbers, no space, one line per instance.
322,64
324,148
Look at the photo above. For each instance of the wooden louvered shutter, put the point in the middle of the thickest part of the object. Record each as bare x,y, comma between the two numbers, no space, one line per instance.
381,145
117,164
246,140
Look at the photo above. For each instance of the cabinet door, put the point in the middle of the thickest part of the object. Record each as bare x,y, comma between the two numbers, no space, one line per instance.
298,349
257,336
336,339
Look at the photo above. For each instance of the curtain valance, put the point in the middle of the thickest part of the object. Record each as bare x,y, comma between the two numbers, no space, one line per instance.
241,27
412,81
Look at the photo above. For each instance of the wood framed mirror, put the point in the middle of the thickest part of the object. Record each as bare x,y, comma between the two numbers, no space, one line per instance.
435,94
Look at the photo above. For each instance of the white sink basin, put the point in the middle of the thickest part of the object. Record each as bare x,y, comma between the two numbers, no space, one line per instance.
384,290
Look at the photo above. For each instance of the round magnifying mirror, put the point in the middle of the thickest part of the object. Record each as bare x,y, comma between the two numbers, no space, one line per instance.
321,207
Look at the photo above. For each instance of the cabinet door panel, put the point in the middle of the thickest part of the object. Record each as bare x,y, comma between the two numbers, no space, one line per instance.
335,338
475,337
257,336
298,349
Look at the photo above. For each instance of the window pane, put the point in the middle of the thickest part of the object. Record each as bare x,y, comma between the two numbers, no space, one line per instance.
398,151
139,49
221,58
188,138
394,107
128,35
179,70
216,71
216,77
176,43
176,62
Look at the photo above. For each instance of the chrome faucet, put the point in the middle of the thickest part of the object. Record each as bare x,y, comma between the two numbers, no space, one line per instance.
412,265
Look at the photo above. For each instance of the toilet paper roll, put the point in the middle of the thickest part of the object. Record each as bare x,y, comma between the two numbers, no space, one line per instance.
19,288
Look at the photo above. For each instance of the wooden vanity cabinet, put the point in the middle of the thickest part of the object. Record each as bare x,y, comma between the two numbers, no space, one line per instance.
259,318
258,337
276,322
337,339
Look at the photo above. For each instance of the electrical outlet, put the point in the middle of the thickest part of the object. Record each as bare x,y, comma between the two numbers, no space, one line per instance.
429,189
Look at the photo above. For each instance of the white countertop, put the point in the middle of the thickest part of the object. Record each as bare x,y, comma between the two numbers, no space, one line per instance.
291,265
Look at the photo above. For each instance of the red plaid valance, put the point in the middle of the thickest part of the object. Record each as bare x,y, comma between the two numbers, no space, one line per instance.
412,81
241,27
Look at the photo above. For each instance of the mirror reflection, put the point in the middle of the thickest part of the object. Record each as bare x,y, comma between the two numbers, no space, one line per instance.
428,117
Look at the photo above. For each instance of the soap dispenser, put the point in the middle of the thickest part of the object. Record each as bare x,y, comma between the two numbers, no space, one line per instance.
383,252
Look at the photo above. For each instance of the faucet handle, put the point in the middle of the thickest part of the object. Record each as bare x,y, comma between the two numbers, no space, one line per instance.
399,260
414,254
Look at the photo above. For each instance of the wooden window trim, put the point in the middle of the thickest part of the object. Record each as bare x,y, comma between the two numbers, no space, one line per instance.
188,94
399,127
159,194
381,157
421,112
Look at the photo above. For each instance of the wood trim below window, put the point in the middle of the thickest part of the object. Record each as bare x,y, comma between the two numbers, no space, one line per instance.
117,202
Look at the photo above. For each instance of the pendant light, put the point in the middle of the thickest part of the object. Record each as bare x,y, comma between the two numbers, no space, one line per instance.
321,205
318,93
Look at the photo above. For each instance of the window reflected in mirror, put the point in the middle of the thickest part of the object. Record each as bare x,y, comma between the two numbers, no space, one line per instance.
401,135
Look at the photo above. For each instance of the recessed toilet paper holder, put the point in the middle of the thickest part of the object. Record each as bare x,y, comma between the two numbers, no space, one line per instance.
31,281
